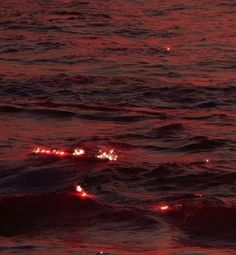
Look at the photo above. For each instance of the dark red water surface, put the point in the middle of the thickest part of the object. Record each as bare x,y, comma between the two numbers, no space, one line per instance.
153,80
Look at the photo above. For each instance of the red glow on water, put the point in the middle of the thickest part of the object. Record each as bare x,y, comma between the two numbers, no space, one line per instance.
39,150
82,194
162,208
78,152
110,155
198,195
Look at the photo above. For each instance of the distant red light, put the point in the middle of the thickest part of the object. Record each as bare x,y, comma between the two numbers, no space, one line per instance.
162,208
50,152
110,155
79,188
82,194
198,195
78,152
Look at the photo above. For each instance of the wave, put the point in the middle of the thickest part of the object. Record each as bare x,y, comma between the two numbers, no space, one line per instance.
204,145
205,224
27,214
168,130
38,112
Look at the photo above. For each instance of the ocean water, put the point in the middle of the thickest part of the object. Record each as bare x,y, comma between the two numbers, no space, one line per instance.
152,80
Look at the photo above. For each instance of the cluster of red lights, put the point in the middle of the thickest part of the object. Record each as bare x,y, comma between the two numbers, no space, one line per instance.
50,152
110,155
103,155
78,152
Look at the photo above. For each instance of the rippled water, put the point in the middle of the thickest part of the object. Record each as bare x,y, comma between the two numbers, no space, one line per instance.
155,81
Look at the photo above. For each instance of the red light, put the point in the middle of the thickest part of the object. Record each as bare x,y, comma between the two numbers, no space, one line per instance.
78,152
50,152
110,155
82,194
79,188
198,195
162,208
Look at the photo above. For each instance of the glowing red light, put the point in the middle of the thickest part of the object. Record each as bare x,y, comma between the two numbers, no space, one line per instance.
50,152
79,188
82,193
110,155
162,208
168,49
198,195
78,152
36,150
